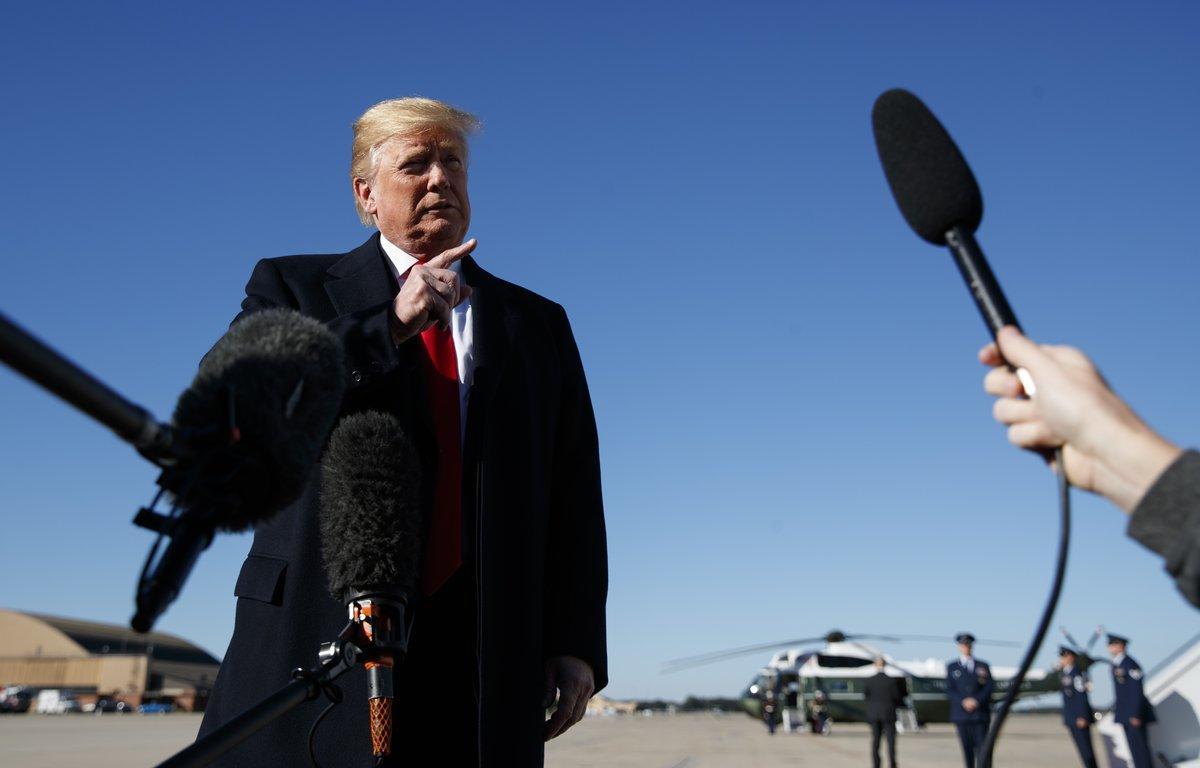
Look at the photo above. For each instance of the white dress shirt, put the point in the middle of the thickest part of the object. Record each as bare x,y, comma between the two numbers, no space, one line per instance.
461,325
968,662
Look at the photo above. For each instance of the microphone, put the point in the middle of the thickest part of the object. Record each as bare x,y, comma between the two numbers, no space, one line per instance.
939,198
372,539
246,436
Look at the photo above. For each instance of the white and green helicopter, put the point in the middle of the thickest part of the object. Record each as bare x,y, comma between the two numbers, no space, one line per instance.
797,673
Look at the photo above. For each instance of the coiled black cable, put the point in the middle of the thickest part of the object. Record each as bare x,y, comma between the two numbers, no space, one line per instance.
1039,635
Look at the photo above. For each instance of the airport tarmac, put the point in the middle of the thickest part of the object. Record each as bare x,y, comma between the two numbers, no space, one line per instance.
633,741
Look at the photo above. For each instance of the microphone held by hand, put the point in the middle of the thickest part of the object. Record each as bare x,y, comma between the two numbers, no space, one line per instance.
937,194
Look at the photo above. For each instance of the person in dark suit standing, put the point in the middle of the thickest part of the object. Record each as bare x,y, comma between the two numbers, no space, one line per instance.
969,685
883,697
1077,711
1132,710
487,380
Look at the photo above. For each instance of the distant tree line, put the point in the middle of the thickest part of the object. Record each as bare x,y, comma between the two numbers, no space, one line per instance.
693,704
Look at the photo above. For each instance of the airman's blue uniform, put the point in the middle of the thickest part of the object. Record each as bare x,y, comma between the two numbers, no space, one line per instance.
970,678
1132,704
1076,707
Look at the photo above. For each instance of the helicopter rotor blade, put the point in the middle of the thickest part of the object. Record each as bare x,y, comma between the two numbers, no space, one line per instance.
881,638
687,662
1074,643
943,639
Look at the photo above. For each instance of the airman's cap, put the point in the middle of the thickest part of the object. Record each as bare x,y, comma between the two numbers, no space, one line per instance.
1117,639
965,637
1063,650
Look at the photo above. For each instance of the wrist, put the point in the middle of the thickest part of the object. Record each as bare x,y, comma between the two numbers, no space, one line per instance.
397,328
1140,461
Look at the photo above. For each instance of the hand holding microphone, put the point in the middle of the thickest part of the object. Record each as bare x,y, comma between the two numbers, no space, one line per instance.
1107,448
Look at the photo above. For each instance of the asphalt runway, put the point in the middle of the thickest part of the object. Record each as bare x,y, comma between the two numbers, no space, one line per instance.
664,741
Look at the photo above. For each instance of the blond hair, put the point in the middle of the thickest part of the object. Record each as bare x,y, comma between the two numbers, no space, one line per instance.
410,116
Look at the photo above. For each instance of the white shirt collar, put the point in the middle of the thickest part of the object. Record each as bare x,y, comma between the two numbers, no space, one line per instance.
401,260
967,660
1118,658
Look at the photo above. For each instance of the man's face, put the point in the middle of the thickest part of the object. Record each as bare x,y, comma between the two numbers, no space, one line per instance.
1066,660
1116,649
964,649
419,193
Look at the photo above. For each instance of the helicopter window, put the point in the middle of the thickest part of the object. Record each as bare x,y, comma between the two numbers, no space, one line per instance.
842,661
837,686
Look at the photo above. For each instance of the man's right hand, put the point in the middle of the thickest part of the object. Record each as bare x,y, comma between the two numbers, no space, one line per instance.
429,294
969,704
1080,723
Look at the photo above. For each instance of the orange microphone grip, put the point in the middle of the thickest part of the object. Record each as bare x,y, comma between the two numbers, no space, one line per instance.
381,727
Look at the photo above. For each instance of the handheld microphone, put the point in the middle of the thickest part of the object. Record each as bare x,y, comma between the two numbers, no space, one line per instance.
939,198
247,433
372,527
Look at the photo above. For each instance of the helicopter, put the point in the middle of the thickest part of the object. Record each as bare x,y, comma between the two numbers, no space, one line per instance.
839,668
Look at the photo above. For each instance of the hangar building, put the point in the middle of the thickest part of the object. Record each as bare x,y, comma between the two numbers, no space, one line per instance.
92,659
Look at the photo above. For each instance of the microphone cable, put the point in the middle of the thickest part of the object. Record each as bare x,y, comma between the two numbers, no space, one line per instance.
1039,635
334,694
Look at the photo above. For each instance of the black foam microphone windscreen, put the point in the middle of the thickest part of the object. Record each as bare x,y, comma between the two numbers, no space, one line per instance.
372,522
372,538
930,179
246,436
277,378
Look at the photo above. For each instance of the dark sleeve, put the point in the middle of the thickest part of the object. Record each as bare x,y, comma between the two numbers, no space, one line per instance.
577,554
1167,521
366,335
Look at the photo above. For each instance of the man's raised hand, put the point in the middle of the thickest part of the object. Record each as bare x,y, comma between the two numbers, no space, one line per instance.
430,292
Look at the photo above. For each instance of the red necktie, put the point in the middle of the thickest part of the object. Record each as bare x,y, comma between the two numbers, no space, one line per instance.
443,548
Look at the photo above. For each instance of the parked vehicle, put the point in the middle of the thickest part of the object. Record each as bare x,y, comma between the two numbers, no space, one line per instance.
156,708
15,700
106,704
55,702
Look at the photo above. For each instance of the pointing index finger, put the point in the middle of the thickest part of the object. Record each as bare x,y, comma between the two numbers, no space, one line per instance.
444,259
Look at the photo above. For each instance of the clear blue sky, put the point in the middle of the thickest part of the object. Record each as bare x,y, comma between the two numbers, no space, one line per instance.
793,431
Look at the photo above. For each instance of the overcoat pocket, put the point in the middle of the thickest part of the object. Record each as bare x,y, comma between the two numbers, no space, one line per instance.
262,579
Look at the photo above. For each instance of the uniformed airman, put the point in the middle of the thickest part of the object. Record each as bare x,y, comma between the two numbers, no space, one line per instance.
1076,708
969,686
1132,709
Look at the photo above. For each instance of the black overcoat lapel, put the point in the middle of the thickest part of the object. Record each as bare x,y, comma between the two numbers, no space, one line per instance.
360,279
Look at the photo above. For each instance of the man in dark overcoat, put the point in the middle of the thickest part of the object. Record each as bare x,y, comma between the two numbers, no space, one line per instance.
883,696
487,380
